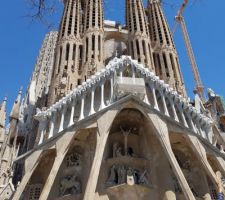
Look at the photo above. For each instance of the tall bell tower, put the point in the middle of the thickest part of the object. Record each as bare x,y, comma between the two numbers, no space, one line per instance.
164,52
139,41
93,37
68,60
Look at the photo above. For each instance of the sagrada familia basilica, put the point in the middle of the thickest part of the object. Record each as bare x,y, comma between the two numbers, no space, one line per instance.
106,116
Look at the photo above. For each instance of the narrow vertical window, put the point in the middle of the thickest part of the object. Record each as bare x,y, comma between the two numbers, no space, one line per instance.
132,49
166,65
173,66
160,66
144,49
67,51
74,51
99,47
86,49
138,50
60,59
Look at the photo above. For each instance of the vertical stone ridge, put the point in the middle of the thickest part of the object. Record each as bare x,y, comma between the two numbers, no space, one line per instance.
93,38
139,41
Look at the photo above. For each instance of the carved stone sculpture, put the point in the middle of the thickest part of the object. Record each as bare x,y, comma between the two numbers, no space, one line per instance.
130,176
143,179
176,184
122,172
74,159
117,150
70,185
112,177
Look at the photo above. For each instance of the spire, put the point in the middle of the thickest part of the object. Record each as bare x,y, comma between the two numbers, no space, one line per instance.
16,106
164,52
3,113
139,40
66,71
93,37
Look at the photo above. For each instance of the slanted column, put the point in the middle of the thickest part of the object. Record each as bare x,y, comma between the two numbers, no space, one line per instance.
174,110
221,148
191,122
52,124
164,103
102,95
92,111
182,115
61,127
209,132
156,106
146,99
82,107
42,129
200,128
72,112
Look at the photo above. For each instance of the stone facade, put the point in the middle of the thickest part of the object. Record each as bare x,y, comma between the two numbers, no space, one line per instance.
106,116
85,44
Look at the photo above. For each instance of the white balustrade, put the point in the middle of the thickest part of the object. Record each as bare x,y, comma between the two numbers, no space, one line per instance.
118,66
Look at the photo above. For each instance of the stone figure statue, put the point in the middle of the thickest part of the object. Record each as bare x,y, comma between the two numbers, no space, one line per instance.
70,185
74,159
130,176
176,184
112,177
136,176
121,174
143,179
117,150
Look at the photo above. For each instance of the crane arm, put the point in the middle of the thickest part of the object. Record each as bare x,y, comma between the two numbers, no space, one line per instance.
180,20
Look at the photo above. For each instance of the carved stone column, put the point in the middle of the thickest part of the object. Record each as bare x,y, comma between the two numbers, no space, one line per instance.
163,136
156,106
52,124
164,103
61,127
102,106
62,146
42,130
92,110
82,107
174,110
72,112
30,165
104,124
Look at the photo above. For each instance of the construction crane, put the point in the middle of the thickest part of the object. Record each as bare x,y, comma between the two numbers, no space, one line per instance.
199,88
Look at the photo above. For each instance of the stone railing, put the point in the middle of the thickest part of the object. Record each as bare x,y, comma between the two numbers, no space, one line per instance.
98,92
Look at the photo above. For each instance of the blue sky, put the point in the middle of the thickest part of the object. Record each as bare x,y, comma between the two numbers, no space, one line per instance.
21,39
